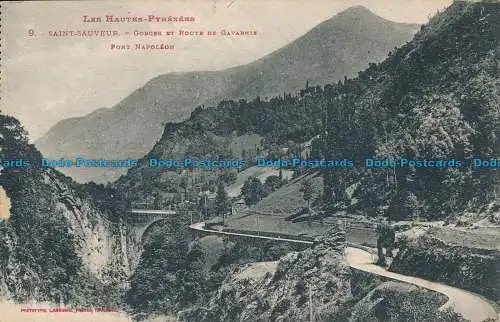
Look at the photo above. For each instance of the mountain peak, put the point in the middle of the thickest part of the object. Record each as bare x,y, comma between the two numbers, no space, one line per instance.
358,15
337,48
355,11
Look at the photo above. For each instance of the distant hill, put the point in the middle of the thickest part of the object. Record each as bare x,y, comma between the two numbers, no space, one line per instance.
341,46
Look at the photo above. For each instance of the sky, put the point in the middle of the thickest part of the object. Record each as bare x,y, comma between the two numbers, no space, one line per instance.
46,79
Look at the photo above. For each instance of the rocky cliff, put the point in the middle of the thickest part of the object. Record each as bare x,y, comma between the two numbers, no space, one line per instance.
56,243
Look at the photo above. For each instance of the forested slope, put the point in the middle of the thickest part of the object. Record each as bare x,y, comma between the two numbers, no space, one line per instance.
436,97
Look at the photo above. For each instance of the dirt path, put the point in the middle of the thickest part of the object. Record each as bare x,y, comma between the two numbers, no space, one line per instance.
471,306
257,270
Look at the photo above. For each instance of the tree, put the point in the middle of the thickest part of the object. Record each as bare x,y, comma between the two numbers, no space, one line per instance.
202,205
338,143
158,202
307,191
253,191
413,205
244,154
183,183
273,182
406,205
228,176
273,152
222,203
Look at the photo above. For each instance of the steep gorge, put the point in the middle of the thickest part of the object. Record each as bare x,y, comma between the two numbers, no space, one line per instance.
57,244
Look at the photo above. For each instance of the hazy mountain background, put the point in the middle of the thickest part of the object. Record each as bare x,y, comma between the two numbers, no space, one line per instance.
338,47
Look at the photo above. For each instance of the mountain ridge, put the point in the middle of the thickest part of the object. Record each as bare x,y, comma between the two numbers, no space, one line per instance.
136,121
433,98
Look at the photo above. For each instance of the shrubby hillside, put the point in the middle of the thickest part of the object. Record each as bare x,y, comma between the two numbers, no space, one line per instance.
465,265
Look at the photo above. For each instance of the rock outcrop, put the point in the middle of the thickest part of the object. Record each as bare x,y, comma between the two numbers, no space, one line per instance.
313,281
470,268
395,301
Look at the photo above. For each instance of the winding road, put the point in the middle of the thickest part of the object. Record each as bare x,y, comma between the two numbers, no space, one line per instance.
152,212
471,306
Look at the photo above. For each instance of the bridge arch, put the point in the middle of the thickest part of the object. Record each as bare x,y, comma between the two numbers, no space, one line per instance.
146,230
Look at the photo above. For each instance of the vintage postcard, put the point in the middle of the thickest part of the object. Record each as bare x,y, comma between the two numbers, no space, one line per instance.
250,160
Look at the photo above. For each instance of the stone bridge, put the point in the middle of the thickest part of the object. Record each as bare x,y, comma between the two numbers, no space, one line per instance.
259,240
141,221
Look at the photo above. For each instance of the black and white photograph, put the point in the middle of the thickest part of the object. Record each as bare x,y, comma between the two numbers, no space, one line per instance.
250,161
